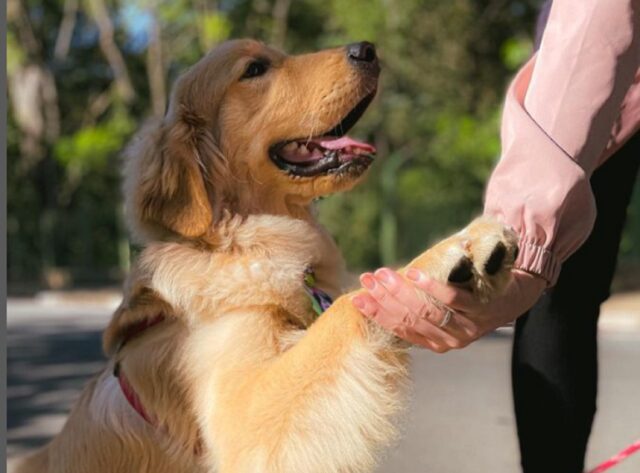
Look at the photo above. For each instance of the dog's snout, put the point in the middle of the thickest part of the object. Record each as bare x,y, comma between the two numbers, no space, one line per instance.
362,53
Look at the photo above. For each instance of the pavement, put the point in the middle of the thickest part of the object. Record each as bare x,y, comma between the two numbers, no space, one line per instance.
460,419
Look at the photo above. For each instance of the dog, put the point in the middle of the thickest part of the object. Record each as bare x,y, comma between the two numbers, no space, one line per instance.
226,354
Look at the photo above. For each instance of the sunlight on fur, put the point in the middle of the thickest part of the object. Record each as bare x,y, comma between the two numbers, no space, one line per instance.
240,375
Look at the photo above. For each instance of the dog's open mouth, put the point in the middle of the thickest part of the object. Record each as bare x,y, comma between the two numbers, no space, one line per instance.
328,153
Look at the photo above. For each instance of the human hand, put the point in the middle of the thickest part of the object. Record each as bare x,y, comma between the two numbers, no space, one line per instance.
415,307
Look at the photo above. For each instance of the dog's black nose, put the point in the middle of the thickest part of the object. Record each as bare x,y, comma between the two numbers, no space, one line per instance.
363,52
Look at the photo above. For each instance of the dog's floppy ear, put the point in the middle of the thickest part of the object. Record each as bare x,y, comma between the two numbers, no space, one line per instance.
168,179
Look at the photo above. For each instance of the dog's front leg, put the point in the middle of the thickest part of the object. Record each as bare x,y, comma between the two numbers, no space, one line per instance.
325,405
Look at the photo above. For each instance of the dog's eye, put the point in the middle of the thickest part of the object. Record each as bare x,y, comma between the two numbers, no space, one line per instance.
254,69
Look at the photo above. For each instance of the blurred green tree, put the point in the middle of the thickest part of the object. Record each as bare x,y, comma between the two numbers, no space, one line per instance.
84,74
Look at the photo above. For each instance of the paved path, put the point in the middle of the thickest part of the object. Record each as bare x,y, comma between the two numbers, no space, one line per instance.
460,419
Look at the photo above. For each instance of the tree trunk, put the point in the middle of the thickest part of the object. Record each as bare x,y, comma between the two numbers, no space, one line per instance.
100,15
34,99
280,15
388,231
65,33
156,72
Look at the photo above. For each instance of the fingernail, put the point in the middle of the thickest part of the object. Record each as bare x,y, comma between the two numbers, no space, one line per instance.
358,302
368,281
414,274
384,274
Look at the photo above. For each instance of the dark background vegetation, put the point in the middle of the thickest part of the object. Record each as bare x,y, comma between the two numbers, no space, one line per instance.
85,74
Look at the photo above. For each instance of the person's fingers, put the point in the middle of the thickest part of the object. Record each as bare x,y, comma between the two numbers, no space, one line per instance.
366,304
451,335
456,298
388,303
370,308
380,305
395,316
406,300
400,308
399,299
420,304
418,340
467,326
424,334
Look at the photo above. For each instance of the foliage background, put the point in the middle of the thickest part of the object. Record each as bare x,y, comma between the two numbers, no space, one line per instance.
84,74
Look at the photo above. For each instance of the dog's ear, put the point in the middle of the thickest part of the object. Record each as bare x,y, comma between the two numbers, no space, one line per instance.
169,177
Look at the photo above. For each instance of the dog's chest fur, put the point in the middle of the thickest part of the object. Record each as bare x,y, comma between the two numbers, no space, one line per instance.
234,305
263,262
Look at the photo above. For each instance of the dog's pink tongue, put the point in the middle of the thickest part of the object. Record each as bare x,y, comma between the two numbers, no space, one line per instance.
330,142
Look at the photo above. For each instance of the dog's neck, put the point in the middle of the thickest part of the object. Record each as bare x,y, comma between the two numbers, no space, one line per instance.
286,233
266,203
223,232
254,249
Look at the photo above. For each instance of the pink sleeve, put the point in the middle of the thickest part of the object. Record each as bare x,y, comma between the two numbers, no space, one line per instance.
567,109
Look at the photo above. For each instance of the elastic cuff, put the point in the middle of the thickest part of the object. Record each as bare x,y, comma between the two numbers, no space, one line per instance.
536,259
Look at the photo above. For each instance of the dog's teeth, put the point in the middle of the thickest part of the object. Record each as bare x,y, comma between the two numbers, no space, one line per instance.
303,149
290,146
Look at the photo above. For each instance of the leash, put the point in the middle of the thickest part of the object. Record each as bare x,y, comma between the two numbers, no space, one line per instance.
618,458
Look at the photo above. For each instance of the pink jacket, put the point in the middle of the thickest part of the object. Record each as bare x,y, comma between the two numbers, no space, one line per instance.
567,110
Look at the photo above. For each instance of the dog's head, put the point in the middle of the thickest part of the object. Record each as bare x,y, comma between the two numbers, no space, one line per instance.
251,130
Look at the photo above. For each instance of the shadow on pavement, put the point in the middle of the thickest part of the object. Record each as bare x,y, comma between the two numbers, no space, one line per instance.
48,365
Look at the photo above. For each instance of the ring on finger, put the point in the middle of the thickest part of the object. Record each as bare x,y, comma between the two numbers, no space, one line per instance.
429,304
448,314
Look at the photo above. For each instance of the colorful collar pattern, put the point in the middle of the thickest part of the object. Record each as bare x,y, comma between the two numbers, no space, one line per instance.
320,300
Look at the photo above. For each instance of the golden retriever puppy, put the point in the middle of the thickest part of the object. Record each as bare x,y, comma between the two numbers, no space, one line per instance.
219,359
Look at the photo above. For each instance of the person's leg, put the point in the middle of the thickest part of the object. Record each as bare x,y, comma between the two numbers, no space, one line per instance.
554,366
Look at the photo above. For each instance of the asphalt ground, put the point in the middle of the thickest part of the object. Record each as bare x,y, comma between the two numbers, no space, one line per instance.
460,419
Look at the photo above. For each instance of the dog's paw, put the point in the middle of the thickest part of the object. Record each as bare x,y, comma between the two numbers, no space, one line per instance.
479,257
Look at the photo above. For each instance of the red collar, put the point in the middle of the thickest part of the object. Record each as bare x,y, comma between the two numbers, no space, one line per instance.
130,394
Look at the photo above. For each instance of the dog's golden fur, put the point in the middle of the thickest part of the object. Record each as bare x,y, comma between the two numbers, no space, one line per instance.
242,376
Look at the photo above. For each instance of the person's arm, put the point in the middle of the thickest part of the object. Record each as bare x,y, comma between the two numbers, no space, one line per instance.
564,113
561,112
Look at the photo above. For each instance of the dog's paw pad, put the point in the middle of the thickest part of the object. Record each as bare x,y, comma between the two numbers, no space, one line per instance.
462,272
496,258
489,251
478,258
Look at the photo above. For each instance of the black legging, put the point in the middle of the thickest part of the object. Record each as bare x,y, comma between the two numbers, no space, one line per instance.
555,365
